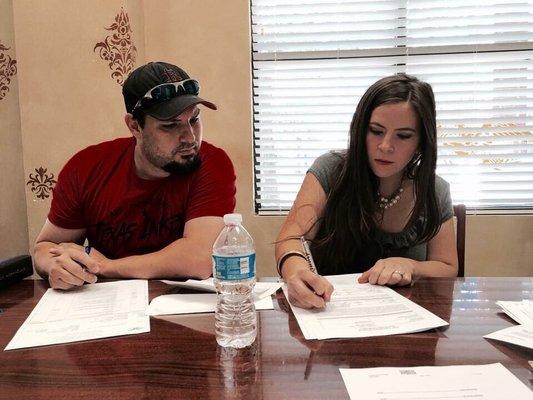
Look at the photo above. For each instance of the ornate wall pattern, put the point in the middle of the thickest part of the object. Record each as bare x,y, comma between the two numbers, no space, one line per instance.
8,69
118,48
41,183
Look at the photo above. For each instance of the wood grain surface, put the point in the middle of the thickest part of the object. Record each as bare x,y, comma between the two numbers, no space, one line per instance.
179,358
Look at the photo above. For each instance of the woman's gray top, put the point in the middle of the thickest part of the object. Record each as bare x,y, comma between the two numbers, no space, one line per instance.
398,244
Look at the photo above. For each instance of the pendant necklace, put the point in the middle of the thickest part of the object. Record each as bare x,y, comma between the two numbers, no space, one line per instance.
387,202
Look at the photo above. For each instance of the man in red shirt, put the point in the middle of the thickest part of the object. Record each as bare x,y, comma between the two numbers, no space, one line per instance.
151,205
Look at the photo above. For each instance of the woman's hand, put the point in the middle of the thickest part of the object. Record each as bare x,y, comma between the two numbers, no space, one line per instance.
390,271
306,289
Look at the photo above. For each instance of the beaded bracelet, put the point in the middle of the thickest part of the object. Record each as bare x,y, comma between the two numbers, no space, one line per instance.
287,255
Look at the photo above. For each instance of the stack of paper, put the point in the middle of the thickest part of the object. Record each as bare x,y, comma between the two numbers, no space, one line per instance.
521,335
261,289
90,312
364,310
170,304
483,382
205,302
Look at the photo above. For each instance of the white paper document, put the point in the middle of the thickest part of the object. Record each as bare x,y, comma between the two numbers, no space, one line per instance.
261,289
480,382
90,312
194,303
343,279
520,311
364,310
521,335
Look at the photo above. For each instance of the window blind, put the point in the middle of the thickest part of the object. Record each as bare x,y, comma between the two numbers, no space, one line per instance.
313,59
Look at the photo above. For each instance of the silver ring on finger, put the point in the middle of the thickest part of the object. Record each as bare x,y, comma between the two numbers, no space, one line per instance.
399,273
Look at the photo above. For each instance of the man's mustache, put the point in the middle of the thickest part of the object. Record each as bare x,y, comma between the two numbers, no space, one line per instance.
185,147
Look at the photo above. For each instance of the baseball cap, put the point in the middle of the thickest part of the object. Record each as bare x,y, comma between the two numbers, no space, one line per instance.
140,82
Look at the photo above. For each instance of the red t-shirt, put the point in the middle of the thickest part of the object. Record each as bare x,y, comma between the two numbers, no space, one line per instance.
99,190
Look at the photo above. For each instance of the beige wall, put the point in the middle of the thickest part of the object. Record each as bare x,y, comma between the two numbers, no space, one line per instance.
13,220
215,48
499,245
68,99
211,40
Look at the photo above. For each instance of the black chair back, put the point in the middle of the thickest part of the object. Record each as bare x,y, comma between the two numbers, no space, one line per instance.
459,210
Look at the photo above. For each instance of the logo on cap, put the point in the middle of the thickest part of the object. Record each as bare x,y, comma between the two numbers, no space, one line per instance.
171,75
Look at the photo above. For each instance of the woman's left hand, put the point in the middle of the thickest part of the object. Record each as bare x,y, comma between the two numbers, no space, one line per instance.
390,271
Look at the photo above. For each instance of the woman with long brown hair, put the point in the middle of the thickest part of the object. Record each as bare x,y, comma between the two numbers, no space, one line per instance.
377,207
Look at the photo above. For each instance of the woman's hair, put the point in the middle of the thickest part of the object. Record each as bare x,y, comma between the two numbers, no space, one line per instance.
349,222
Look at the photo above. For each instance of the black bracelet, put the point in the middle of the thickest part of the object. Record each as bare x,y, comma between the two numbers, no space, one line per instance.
287,255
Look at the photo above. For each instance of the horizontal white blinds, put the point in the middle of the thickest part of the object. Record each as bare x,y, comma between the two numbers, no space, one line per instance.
283,27
314,59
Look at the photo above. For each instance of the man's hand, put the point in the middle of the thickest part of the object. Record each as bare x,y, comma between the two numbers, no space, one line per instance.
71,266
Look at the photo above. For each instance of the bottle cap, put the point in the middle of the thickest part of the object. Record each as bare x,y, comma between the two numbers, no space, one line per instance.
232,219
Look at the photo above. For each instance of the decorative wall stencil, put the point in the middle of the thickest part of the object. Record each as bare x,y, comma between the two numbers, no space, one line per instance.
41,183
118,49
8,69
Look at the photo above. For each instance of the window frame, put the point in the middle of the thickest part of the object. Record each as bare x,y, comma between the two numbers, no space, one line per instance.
371,53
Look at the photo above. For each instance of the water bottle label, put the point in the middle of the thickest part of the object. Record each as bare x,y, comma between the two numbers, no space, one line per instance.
234,268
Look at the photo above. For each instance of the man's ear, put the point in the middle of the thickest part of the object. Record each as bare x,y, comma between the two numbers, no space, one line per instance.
133,125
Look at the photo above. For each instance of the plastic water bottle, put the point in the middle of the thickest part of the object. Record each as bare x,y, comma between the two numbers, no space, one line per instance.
234,277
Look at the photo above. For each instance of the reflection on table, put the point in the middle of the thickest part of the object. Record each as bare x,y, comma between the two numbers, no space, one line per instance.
179,358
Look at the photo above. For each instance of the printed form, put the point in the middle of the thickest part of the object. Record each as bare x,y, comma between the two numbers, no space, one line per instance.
480,382
364,310
520,311
521,335
90,312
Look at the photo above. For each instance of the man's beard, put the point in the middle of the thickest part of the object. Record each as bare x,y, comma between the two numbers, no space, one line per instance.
189,165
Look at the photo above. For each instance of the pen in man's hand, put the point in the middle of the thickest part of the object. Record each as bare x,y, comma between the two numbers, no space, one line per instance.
87,250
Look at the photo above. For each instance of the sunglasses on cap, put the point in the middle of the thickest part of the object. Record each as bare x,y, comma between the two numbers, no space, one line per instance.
167,91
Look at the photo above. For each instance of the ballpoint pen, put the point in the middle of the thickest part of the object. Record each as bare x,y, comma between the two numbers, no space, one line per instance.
310,260
86,250
308,255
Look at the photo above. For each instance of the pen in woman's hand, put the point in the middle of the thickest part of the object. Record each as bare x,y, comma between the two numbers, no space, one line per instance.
312,267
308,255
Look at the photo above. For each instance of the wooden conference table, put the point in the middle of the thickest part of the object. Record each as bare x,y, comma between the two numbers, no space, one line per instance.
179,358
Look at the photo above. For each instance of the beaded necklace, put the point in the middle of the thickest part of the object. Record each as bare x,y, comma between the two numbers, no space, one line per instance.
387,202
